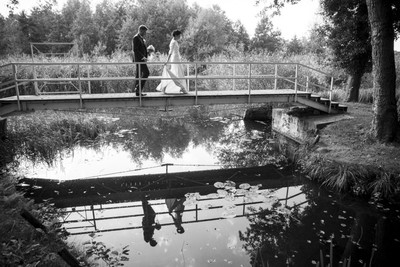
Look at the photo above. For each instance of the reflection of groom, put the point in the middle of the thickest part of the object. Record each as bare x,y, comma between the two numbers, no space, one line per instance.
140,55
148,223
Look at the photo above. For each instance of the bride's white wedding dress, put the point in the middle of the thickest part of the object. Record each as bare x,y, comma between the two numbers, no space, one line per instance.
177,83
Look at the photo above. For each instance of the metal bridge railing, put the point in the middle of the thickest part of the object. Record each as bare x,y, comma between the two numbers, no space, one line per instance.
294,73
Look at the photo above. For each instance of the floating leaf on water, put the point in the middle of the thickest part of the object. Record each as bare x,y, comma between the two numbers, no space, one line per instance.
228,214
244,186
254,188
230,197
230,183
219,185
222,193
241,191
212,195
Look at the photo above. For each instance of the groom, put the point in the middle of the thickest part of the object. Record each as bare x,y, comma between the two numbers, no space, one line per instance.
140,55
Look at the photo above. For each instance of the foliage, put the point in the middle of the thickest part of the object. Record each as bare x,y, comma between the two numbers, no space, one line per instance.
208,33
112,25
348,34
98,250
21,243
265,38
42,139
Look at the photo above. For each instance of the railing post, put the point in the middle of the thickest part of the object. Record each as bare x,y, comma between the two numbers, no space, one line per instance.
330,95
16,86
234,74
188,80
140,84
195,82
276,77
307,83
80,86
249,84
35,85
295,83
89,84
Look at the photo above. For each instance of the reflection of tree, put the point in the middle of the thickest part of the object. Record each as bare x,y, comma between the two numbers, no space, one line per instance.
267,239
297,238
247,148
153,139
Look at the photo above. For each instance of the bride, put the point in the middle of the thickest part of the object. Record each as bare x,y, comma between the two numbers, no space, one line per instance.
177,83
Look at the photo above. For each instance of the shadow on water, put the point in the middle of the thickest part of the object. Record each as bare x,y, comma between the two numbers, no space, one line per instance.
247,210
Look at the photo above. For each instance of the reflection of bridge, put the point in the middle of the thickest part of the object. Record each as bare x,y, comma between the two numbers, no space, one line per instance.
131,188
83,220
80,197
242,82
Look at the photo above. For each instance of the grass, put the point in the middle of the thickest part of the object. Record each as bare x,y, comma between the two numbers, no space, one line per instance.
347,159
40,138
21,243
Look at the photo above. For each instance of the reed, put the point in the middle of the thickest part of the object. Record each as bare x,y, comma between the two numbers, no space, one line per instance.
346,177
70,71
41,135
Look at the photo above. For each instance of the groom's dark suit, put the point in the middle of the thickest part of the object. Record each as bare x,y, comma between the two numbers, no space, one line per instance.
140,53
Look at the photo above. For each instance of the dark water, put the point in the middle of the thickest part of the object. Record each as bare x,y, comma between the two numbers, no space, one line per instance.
262,213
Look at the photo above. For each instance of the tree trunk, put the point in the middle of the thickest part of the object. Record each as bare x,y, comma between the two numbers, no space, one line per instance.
385,119
353,87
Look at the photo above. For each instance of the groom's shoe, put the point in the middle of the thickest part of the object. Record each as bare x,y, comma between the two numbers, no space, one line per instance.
137,93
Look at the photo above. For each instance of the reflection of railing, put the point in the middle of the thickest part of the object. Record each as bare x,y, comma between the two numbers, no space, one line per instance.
89,215
248,71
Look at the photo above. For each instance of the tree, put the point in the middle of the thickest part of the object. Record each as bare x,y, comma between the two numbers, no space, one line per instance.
208,33
161,17
347,28
265,38
294,46
385,125
239,37
83,29
109,18
384,19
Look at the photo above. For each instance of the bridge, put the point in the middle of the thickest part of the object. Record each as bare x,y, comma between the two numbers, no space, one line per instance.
67,86
113,203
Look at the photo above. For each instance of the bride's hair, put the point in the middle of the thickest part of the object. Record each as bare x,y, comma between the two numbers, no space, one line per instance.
176,33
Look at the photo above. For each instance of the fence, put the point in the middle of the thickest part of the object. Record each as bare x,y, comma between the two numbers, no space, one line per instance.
108,77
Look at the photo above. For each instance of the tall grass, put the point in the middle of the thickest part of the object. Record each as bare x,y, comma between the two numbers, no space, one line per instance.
346,177
128,70
125,86
41,137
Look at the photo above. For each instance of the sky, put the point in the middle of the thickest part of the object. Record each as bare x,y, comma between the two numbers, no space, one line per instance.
295,20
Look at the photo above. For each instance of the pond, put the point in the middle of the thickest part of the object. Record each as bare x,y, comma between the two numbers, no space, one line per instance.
209,191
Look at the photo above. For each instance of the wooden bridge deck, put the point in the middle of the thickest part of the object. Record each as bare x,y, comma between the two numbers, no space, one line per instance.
155,99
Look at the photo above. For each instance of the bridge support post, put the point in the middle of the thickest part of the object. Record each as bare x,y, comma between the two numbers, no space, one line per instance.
301,123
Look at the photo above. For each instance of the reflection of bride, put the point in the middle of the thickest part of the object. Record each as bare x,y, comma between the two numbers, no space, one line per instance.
177,84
